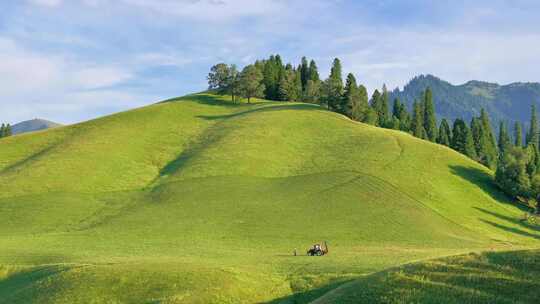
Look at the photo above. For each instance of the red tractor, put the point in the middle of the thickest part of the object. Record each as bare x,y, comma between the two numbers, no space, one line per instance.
317,250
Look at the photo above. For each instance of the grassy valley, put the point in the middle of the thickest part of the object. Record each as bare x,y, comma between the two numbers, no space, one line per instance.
200,200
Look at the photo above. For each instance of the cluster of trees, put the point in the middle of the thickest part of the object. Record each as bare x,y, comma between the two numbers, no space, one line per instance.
518,168
517,164
5,130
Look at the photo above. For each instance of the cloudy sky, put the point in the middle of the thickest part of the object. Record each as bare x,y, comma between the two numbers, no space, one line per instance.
70,60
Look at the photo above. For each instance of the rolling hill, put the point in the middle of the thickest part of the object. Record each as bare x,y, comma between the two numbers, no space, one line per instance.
509,103
198,200
33,125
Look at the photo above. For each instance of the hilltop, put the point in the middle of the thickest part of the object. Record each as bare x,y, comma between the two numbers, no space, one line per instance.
200,200
33,125
510,102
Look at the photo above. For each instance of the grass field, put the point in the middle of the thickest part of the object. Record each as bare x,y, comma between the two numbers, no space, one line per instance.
198,200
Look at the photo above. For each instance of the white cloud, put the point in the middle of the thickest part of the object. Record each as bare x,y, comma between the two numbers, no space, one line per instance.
209,10
50,3
54,86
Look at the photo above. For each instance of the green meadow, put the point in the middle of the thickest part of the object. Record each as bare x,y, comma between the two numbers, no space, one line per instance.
199,200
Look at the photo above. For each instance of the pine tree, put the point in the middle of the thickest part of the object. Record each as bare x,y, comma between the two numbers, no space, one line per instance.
376,105
333,87
532,136
430,121
462,140
444,135
313,71
383,110
417,124
288,86
355,100
489,158
518,136
304,72
350,95
3,131
396,107
272,72
404,118
504,141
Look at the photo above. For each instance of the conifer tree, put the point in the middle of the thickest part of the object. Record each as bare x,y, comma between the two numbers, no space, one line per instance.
376,105
504,141
396,107
350,95
383,110
404,118
288,86
313,71
3,131
312,93
430,121
417,123
518,136
333,87
8,131
532,135
444,135
304,72
462,140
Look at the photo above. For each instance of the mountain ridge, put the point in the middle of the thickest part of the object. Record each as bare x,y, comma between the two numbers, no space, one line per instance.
32,125
509,102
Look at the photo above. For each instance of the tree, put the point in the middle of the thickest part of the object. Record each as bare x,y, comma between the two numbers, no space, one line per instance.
333,87
289,85
313,71
251,83
417,124
355,102
218,77
313,91
7,131
403,116
518,136
3,131
430,121
486,124
384,118
445,134
504,139
462,140
273,71
224,79
511,174
304,72
350,95
376,105
532,136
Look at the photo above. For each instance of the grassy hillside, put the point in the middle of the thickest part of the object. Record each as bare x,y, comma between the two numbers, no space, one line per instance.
197,200
502,277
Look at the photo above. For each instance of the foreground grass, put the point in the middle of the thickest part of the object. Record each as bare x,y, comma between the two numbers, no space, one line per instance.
494,277
197,200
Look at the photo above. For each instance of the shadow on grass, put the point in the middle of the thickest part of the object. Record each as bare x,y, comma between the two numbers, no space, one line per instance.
13,286
308,296
510,219
483,181
512,229
269,108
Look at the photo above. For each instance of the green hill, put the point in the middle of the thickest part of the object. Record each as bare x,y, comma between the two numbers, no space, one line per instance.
197,200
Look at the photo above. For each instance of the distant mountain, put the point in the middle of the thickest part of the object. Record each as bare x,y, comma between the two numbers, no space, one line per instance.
510,102
33,125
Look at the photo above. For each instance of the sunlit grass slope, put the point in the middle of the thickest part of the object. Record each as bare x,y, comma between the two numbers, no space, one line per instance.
199,200
495,277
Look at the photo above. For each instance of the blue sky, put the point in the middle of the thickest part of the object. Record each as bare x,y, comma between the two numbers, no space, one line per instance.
70,61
